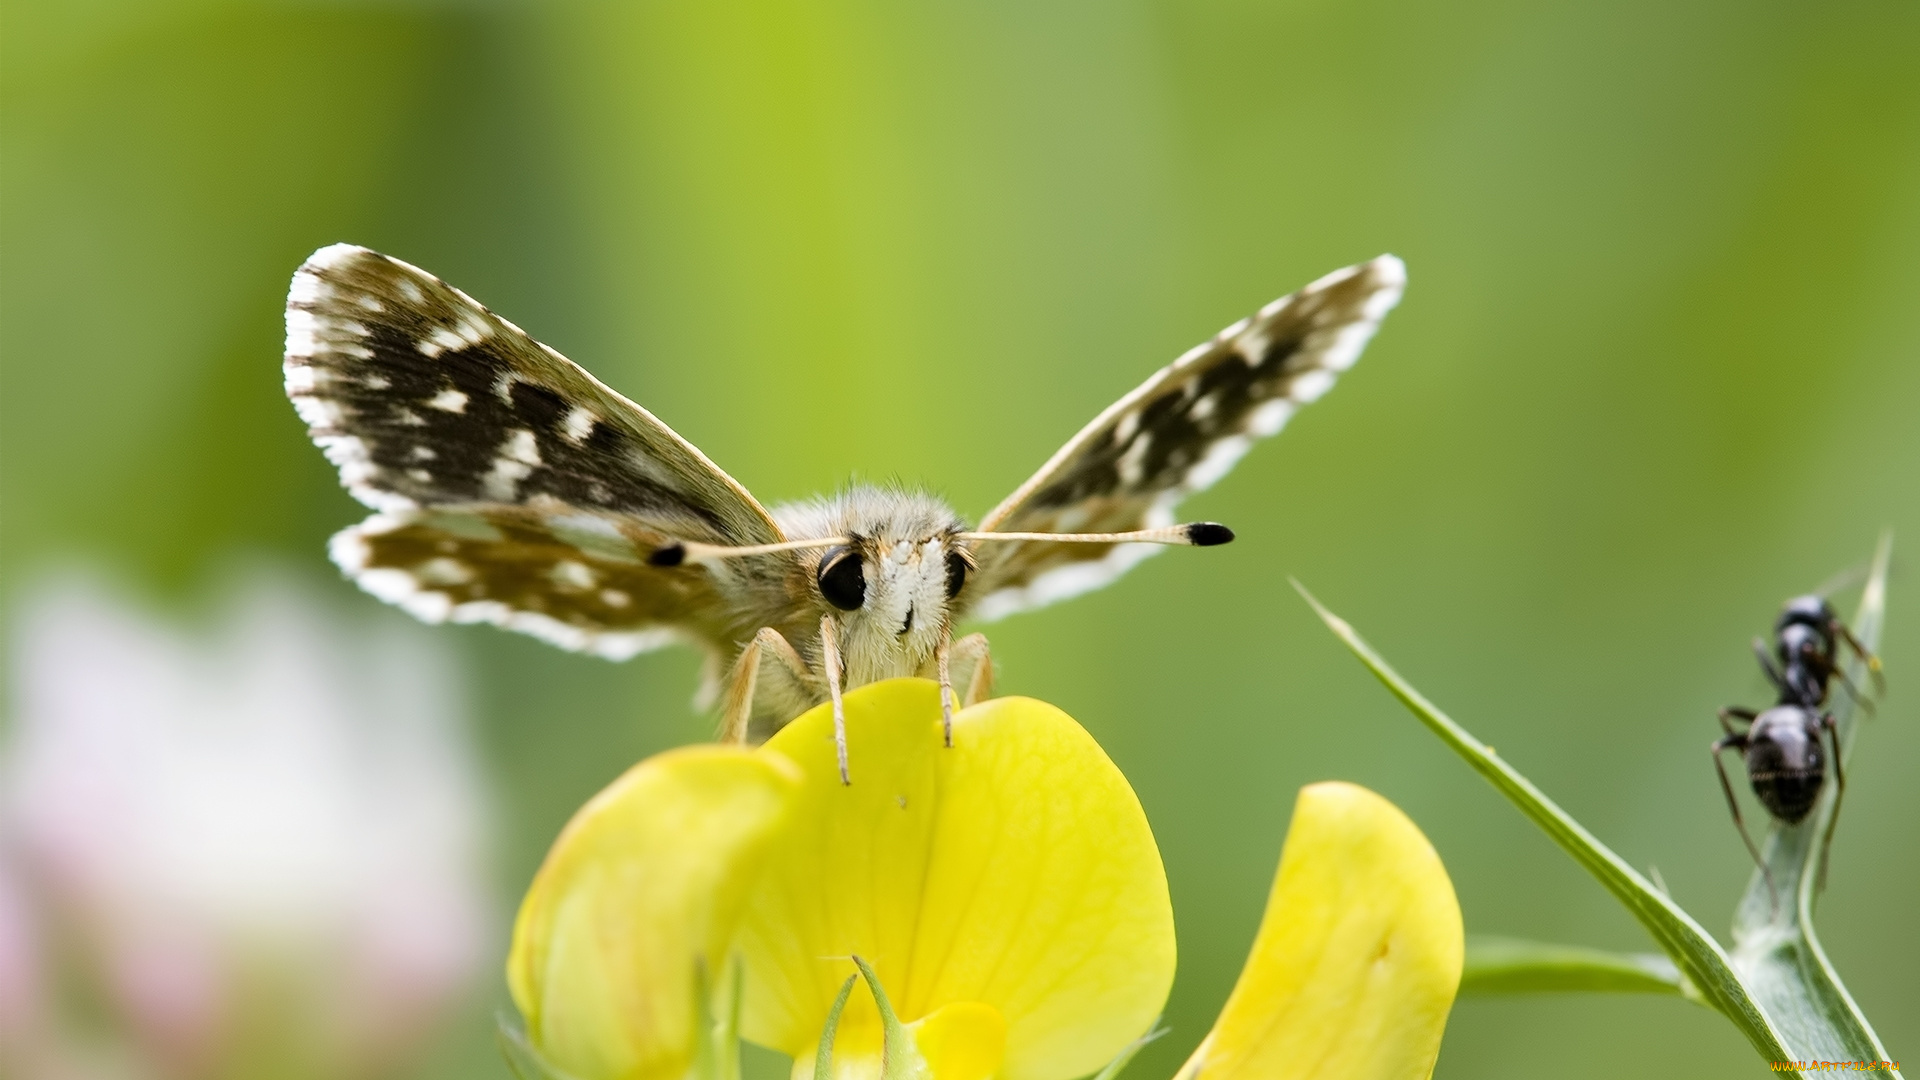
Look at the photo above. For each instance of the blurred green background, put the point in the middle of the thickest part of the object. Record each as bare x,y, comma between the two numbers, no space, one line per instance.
1654,373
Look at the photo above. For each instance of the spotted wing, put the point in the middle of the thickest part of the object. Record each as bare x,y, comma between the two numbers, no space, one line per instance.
512,487
1176,434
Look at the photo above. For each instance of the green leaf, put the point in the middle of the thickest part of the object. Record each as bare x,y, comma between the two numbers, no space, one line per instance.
1498,966
1700,960
1775,949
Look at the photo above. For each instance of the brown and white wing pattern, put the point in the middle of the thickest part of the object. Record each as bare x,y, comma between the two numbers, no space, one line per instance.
511,486
1176,434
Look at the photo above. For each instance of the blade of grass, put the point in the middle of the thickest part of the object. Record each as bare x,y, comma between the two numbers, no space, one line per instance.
1699,958
522,1058
1774,946
1498,966
1130,1051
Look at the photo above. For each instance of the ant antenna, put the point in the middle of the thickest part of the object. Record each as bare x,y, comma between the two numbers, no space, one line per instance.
1852,575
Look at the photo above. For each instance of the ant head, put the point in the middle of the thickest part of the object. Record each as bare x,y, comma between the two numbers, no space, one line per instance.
1811,611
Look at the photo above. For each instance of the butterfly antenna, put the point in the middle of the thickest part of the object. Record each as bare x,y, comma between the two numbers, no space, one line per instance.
677,552
1193,534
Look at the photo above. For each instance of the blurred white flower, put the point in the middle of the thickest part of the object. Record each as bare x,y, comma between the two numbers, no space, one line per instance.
261,840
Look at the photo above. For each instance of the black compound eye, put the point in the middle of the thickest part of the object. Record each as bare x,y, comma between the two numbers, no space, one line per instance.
956,573
843,580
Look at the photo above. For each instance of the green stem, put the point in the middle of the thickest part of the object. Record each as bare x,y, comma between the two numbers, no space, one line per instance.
823,1057
895,1053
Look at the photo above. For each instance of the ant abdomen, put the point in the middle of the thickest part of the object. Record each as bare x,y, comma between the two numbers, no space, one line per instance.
1785,762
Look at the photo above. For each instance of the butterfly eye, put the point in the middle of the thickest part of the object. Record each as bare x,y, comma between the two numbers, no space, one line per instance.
956,573
842,579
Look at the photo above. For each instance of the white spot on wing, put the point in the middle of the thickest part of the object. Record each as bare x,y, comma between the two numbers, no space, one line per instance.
439,341
571,575
300,334
444,571
307,288
448,400
578,424
1220,459
301,379
319,413
1132,463
1308,386
519,456
335,254
503,386
522,446
1269,418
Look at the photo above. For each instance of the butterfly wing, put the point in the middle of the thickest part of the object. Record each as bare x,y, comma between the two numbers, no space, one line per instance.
1176,434
512,486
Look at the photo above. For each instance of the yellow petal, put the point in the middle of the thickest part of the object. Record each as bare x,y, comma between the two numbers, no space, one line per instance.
963,1040
640,893
1015,870
1358,955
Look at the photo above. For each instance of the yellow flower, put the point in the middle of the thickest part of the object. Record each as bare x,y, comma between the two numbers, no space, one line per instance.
1007,891
1005,898
1358,956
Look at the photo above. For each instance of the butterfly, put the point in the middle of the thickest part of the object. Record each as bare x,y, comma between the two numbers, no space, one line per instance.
509,486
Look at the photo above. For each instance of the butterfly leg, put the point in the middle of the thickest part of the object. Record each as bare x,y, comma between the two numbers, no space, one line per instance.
942,657
972,652
966,662
830,659
737,714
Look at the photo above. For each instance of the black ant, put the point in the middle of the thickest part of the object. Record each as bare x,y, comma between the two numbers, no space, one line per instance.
1782,746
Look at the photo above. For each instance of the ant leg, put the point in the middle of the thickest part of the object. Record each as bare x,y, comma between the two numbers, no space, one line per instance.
1736,712
1773,673
1873,662
1739,742
1853,691
1839,792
